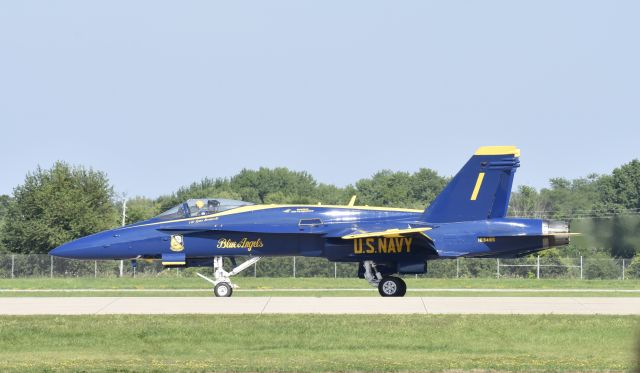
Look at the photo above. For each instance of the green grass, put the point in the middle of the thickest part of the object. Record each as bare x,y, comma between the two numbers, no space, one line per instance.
266,286
317,343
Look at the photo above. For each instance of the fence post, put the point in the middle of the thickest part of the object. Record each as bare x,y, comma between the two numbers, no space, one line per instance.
580,267
294,266
13,264
51,267
255,269
335,270
498,268
95,268
457,267
623,268
538,268
121,267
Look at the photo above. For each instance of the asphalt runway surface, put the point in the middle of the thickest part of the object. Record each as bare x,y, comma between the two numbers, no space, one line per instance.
319,305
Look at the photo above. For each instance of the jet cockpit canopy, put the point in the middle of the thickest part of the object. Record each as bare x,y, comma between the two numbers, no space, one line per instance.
201,207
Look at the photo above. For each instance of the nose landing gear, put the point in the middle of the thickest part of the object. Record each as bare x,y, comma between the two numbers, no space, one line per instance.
222,285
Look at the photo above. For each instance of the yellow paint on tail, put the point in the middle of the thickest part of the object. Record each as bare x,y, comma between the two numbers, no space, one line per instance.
476,189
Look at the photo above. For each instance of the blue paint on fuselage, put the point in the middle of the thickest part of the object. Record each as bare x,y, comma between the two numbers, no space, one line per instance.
275,231
466,219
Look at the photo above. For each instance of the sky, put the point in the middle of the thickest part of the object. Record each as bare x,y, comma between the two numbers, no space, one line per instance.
160,94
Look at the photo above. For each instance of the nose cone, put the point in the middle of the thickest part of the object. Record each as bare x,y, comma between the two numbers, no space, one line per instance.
90,247
77,249
73,249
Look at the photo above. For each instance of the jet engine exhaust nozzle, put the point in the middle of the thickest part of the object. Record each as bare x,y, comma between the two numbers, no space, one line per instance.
556,233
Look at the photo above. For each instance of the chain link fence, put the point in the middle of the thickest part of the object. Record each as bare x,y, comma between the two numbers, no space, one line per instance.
23,266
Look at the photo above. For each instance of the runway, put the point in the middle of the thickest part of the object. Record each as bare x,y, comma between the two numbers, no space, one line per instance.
320,290
319,305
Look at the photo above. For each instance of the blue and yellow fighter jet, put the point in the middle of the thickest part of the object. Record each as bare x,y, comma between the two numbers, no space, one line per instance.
468,219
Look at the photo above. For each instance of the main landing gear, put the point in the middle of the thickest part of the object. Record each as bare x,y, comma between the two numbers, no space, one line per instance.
222,285
388,286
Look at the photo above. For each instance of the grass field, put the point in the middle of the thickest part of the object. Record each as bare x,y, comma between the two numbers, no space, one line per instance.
249,286
318,343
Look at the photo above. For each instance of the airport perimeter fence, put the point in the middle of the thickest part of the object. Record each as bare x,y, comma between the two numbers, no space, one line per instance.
25,266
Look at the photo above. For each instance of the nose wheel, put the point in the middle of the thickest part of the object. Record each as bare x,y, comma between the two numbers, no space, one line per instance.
223,289
392,287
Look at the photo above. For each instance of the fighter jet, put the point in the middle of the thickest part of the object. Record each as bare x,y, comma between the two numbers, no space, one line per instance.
467,219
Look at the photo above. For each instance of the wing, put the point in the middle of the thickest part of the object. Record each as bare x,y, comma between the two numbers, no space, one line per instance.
422,242
392,232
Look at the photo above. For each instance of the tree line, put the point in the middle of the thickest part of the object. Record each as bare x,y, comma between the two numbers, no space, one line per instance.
55,205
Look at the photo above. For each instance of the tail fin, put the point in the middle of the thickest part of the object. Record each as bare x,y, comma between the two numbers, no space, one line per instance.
480,190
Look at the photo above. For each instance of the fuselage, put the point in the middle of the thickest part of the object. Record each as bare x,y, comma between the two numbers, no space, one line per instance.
467,219
309,230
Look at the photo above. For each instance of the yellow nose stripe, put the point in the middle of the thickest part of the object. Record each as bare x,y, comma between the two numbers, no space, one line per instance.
476,189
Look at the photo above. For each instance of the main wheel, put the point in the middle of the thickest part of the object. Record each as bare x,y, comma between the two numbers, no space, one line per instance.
403,290
392,287
223,289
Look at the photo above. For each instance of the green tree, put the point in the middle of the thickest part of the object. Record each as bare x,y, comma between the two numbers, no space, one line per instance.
386,188
400,189
622,188
278,185
328,194
604,198
573,198
633,271
57,205
426,184
140,208
526,202
4,205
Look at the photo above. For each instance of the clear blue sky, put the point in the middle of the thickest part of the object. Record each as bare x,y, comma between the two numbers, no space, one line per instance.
160,94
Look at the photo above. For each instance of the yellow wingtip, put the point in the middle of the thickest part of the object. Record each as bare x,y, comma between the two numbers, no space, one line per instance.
498,150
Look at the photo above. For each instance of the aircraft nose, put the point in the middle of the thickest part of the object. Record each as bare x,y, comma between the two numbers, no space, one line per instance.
71,250
110,244
90,247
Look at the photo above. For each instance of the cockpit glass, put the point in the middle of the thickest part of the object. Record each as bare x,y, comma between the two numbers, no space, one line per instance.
201,207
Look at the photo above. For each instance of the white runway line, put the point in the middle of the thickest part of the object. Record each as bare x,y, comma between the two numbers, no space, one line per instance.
318,305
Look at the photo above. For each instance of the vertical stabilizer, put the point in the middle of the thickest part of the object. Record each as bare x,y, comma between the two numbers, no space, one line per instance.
480,190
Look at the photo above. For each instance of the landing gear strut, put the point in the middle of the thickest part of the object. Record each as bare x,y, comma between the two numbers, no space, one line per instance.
222,285
388,286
